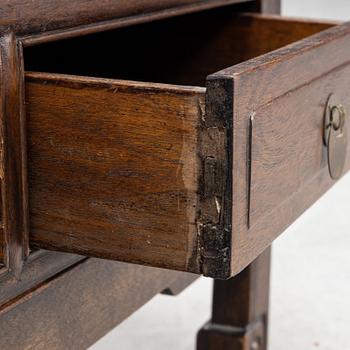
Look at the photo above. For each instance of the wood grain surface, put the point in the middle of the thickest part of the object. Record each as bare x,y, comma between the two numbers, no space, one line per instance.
113,169
13,169
46,19
80,305
292,157
288,141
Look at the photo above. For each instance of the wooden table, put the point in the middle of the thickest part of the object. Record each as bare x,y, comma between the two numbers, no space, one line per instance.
125,137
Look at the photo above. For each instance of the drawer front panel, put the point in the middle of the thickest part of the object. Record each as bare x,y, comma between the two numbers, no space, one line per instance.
287,142
279,163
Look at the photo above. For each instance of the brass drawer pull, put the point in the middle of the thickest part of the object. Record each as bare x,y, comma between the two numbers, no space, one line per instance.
335,136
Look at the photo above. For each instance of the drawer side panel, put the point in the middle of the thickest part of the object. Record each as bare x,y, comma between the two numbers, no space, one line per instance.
113,169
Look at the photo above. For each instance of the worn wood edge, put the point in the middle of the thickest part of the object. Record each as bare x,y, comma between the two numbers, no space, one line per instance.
68,32
77,82
14,168
215,200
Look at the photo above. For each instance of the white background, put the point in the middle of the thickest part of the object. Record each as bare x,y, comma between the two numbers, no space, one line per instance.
310,287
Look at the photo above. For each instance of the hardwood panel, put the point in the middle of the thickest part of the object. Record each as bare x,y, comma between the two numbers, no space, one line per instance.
43,16
278,84
13,167
77,307
113,169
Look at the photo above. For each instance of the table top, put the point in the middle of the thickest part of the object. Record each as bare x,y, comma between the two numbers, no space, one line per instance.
43,16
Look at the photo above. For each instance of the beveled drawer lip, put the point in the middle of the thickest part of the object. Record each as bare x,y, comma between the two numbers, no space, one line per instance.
221,240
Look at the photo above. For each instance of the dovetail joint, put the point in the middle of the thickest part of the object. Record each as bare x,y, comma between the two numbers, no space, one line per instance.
213,231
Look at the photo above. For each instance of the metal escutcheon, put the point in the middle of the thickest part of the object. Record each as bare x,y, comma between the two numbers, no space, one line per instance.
335,136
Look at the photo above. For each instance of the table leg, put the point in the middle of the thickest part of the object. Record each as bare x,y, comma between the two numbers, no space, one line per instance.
240,310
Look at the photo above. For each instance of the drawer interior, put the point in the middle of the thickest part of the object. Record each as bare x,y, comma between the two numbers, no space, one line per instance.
181,50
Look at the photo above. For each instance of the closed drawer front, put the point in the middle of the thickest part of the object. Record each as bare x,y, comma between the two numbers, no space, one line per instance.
177,166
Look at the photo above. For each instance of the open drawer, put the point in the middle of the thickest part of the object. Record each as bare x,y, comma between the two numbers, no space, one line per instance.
155,170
